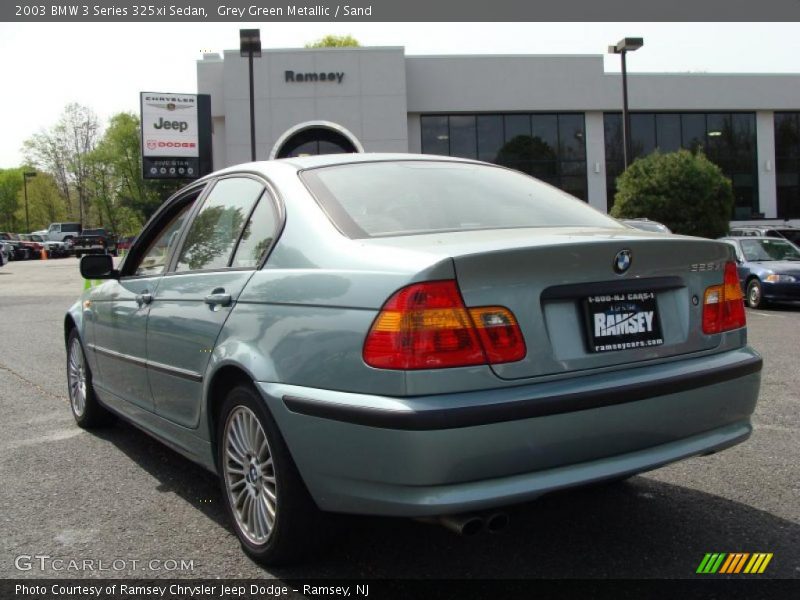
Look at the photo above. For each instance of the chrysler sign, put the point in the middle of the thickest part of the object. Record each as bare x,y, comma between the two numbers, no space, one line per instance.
176,135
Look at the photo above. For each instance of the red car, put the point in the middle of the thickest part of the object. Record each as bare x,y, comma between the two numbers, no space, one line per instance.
34,245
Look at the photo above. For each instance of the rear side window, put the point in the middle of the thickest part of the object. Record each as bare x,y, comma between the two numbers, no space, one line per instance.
416,197
257,236
213,234
70,227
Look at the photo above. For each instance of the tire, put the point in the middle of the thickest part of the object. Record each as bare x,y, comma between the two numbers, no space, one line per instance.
87,410
285,523
755,296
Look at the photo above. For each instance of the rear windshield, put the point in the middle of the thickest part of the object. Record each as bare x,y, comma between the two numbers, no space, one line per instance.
416,197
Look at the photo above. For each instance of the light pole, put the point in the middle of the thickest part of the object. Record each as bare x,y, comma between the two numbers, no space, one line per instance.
250,46
25,176
622,48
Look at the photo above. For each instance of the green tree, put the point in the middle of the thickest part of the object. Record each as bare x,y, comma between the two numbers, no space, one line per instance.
63,151
45,204
335,41
10,191
683,190
120,153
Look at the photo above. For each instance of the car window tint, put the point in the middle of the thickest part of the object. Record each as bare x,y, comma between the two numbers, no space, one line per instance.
415,197
155,258
213,234
766,249
257,235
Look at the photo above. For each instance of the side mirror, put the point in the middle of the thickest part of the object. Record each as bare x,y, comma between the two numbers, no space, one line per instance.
98,266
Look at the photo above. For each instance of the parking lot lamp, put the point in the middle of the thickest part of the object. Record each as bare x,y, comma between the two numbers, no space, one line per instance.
250,46
25,176
622,48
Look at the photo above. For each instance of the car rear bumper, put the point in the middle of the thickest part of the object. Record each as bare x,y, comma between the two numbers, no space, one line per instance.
451,453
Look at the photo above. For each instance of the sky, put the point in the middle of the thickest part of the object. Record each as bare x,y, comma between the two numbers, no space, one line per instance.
45,66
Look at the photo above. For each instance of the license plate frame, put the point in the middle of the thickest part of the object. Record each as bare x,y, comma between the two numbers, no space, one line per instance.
618,321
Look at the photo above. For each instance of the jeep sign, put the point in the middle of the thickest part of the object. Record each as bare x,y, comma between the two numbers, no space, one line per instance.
176,135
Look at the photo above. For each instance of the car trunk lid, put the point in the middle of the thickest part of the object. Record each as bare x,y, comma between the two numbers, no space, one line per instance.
547,276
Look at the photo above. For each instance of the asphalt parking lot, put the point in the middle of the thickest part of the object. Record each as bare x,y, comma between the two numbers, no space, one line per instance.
120,495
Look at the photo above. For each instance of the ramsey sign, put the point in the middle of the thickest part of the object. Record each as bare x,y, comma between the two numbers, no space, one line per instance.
176,135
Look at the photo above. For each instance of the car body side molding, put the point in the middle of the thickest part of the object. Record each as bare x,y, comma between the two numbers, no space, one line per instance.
450,418
150,364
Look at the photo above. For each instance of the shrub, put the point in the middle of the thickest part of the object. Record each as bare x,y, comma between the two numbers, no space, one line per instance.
683,190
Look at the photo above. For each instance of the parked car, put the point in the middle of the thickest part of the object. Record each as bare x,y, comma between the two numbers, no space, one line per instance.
769,269
124,243
19,250
34,243
646,225
782,231
95,241
409,336
55,249
63,232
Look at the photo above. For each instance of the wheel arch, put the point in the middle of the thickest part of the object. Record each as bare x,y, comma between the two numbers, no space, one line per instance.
69,325
222,379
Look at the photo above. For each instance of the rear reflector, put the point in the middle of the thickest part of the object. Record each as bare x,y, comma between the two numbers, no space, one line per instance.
723,305
427,326
499,333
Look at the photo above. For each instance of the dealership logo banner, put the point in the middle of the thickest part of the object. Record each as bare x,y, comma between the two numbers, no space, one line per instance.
176,135
408,10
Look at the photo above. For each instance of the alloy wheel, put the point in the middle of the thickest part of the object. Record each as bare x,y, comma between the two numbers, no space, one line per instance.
754,295
76,373
249,474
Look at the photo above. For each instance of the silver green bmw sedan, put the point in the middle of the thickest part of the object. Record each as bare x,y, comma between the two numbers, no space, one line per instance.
411,336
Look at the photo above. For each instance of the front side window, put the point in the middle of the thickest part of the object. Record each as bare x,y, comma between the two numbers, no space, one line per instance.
213,234
155,258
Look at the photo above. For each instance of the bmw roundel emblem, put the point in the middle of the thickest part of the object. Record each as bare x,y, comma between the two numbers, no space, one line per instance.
622,261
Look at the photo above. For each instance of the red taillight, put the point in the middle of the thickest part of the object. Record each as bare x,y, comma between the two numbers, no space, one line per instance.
427,326
723,305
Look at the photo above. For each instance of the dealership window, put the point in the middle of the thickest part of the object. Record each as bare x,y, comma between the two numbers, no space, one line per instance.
787,163
728,140
549,146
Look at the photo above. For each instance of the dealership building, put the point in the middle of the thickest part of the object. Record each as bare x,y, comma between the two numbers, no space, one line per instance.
555,117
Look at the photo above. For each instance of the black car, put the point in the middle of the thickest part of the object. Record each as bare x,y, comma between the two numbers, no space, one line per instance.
95,241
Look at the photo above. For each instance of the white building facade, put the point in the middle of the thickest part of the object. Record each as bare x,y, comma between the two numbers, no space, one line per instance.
555,117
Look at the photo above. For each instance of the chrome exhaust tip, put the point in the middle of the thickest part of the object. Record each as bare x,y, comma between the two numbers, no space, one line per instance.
465,524
497,522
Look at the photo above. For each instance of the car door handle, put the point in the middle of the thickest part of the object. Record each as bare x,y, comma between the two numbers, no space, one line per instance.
144,298
218,298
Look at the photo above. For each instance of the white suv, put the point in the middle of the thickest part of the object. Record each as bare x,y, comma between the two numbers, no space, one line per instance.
61,232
